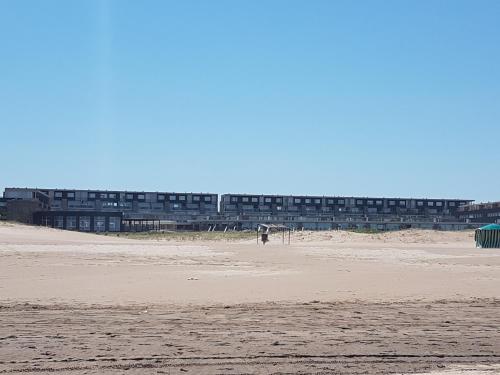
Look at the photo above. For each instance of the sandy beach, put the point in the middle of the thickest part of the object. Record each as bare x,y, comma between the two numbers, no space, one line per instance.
331,302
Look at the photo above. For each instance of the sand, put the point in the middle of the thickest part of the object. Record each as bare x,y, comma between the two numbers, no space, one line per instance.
403,302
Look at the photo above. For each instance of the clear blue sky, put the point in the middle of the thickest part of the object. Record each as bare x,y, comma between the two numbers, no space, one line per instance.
380,98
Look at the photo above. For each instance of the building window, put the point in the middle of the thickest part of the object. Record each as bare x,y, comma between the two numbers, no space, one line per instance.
91,195
112,196
451,204
182,197
114,224
420,203
59,222
172,198
196,198
70,222
245,199
340,201
161,197
234,199
58,194
125,205
308,200
297,200
402,203
267,200
439,204
130,197
330,201
208,199
100,224
71,195
103,195
430,204
317,201
84,224
392,203
379,203
278,208
278,200
359,202
370,203
255,199
176,205
140,197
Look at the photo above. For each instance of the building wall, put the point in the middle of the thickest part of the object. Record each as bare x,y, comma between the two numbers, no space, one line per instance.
242,204
23,210
242,211
3,209
133,204
481,212
83,221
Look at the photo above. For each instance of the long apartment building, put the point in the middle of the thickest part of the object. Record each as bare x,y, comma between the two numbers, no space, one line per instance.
102,210
480,212
99,210
279,205
323,212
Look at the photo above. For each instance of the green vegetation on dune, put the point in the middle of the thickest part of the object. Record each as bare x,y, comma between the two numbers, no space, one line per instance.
186,236
365,230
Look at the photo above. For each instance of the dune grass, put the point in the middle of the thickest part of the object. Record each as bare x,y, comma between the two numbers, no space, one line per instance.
187,236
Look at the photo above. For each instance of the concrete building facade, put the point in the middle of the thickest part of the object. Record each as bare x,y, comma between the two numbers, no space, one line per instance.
103,210
330,212
480,212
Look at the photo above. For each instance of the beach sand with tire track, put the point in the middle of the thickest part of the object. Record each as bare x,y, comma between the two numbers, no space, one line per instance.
401,302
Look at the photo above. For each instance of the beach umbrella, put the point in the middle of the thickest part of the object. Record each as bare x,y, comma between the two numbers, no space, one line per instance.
488,236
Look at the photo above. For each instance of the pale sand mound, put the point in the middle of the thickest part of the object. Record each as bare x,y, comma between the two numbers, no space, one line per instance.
14,233
404,236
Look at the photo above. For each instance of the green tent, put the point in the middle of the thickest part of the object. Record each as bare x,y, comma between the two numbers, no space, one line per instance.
488,236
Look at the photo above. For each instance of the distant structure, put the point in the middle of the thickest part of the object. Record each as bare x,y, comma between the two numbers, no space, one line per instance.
114,211
480,212
108,211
